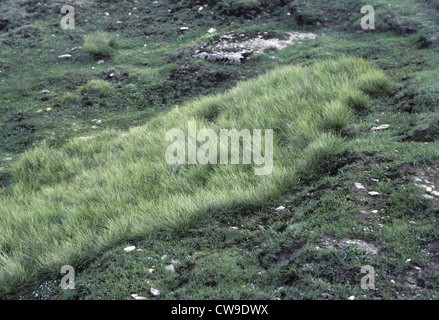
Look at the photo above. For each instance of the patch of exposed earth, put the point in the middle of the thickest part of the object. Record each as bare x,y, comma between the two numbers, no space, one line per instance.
427,134
426,178
236,48
340,244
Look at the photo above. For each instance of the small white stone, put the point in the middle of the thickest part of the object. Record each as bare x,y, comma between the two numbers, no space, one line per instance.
359,185
211,30
129,249
64,56
170,268
281,208
381,127
155,292
351,298
374,193
85,138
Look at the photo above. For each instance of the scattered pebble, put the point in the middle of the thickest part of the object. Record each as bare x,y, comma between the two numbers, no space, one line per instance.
64,56
351,298
374,193
155,292
151,259
85,138
129,249
381,127
359,185
170,268
281,208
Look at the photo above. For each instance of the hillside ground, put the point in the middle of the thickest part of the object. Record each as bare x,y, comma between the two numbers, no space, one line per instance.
331,225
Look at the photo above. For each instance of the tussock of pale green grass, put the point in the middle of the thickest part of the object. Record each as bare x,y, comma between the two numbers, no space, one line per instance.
100,44
98,88
68,204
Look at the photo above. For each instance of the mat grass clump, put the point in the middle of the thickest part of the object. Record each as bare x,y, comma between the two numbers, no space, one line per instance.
68,204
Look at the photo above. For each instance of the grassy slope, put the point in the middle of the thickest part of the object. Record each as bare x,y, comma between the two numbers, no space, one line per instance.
205,251
71,202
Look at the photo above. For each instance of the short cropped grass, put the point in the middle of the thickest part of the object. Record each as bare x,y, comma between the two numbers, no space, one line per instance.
68,204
